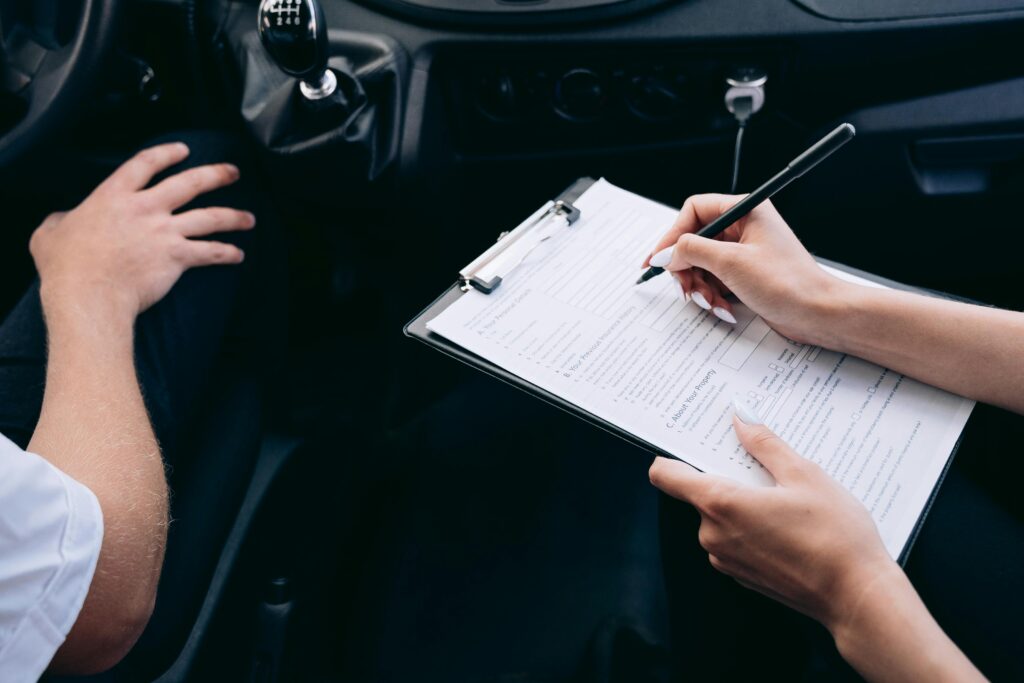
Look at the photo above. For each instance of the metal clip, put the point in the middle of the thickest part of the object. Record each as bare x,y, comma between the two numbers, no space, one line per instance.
470,275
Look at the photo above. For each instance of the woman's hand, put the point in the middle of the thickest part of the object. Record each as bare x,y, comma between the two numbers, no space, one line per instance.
809,544
123,247
758,259
805,542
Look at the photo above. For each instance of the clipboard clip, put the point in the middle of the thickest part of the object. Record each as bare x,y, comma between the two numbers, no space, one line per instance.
485,273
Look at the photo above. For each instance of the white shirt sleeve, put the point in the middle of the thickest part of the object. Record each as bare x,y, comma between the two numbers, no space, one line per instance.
51,529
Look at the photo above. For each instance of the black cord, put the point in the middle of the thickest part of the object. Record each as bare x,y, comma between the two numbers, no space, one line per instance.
736,157
742,108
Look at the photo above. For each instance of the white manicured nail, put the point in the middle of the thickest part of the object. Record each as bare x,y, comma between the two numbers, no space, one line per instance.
699,299
662,258
724,315
745,413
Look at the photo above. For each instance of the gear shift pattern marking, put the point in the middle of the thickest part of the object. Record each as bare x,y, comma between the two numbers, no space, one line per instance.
287,11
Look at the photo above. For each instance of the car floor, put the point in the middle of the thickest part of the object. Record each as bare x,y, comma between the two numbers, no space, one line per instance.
511,542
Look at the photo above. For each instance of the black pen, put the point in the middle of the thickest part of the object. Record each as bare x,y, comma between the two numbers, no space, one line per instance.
814,155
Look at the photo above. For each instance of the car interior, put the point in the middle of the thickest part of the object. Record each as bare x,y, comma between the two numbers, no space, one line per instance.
367,509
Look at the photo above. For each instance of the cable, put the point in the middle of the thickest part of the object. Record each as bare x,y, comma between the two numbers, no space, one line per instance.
742,108
736,157
743,99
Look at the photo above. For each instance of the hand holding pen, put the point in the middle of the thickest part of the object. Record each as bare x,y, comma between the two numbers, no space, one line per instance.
705,217
753,242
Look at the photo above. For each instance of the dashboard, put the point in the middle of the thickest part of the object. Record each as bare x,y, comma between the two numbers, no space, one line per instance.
558,79
657,73
633,91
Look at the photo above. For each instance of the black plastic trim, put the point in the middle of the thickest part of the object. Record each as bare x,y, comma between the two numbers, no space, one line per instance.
893,10
512,13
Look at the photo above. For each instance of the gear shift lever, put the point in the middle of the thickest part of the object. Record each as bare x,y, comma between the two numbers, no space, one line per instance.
294,32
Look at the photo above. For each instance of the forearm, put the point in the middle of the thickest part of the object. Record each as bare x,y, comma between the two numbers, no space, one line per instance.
969,350
890,637
94,426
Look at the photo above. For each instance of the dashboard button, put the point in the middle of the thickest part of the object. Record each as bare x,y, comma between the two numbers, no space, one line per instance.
655,96
580,95
499,97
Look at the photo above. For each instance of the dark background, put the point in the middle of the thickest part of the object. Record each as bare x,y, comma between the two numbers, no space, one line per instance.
436,521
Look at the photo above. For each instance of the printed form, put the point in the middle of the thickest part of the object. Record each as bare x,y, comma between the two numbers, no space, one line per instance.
570,320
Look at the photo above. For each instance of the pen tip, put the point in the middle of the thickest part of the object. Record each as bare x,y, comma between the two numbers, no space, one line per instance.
640,280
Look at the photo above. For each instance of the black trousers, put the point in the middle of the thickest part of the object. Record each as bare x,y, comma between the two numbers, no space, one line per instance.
182,346
967,565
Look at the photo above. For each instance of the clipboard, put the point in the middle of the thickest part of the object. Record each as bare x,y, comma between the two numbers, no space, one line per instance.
562,208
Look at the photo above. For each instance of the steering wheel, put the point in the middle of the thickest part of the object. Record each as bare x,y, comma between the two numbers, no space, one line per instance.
49,52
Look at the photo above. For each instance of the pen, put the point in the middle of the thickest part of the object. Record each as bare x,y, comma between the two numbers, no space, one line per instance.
814,155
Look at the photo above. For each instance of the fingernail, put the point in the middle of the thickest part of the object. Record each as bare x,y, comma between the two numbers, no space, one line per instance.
699,299
252,218
724,315
745,413
662,258
182,147
233,170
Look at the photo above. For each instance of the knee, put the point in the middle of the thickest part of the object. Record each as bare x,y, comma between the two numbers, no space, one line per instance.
206,147
214,147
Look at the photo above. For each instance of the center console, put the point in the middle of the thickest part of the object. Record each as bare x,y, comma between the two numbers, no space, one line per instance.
536,101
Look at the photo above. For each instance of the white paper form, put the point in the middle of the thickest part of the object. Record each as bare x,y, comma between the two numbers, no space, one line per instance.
570,320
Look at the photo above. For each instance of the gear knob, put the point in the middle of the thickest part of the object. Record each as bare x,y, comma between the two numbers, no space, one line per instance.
294,32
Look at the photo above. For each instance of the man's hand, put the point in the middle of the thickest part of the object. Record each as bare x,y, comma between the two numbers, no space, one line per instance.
806,542
125,246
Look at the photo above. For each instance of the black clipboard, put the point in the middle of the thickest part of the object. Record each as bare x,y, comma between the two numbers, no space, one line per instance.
417,329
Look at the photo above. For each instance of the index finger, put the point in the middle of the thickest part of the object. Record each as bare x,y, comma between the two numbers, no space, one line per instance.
135,174
182,188
698,210
684,482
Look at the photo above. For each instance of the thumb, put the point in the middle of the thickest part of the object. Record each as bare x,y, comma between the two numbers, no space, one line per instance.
781,461
709,254
680,480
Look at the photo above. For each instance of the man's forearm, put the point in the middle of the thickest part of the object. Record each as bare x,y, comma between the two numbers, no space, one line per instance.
94,426
969,350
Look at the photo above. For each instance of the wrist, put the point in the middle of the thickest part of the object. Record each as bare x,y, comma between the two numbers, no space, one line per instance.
822,305
863,598
96,306
836,305
888,634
